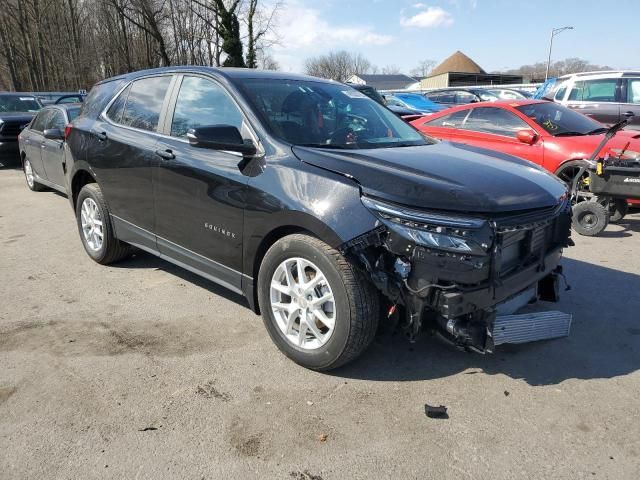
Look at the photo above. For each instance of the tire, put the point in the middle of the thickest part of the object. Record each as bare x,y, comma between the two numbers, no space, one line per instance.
109,249
567,173
590,218
29,176
354,304
618,208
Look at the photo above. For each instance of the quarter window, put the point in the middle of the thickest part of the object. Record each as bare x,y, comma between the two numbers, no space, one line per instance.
144,103
495,121
601,90
202,102
117,107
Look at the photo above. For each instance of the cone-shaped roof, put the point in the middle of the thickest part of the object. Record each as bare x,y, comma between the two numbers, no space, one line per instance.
458,62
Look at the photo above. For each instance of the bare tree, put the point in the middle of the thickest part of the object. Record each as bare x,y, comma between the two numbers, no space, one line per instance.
337,65
423,69
70,44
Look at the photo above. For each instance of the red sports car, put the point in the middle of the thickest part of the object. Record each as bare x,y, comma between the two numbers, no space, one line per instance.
543,132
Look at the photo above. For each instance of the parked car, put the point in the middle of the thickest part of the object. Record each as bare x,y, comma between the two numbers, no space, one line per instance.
460,96
605,96
42,148
414,103
314,202
16,111
509,93
50,98
546,133
406,113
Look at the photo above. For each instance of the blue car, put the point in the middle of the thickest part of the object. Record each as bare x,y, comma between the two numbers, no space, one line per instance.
415,102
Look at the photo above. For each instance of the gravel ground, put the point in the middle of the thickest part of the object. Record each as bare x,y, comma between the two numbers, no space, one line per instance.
143,370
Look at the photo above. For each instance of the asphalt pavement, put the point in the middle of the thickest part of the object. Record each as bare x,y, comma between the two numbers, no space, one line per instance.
143,370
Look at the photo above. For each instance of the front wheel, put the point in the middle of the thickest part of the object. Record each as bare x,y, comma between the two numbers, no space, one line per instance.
590,218
318,308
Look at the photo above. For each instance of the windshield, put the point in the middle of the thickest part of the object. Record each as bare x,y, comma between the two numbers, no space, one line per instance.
487,96
16,103
419,102
331,115
560,121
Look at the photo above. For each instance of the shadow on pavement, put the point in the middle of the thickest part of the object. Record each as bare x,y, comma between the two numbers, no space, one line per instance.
144,260
604,340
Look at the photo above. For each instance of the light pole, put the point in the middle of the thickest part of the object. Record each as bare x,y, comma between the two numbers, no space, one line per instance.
554,32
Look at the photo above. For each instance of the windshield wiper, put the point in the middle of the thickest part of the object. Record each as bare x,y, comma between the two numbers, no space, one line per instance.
598,131
569,134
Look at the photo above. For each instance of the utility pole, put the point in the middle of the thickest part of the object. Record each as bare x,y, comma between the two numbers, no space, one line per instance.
554,32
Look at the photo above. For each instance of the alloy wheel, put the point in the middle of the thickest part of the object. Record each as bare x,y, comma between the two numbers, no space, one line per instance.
302,303
92,227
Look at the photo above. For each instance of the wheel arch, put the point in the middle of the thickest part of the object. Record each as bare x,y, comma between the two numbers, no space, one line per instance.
306,224
80,178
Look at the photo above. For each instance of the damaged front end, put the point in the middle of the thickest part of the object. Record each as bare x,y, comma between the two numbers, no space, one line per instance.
454,274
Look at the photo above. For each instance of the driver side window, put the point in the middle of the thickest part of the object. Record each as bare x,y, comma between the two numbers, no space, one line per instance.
202,102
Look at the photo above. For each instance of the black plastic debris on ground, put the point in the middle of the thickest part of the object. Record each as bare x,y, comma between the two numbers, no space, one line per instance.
436,412
147,429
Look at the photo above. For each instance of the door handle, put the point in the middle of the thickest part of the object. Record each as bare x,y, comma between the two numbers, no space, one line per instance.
165,154
102,136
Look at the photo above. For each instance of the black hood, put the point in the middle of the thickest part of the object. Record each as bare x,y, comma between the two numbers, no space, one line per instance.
443,176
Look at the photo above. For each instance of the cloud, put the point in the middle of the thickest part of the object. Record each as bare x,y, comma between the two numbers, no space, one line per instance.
429,17
300,27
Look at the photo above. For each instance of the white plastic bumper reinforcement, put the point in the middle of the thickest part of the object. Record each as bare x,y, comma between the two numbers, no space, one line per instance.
530,327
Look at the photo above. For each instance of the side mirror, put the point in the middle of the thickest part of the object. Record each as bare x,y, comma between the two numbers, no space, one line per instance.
527,136
53,134
220,137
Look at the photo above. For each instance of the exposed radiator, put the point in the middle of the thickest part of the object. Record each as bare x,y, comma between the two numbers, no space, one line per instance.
530,327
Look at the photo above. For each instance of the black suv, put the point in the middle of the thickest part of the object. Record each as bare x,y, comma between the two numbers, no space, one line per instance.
318,204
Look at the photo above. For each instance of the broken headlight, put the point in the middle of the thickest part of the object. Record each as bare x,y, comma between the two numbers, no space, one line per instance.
454,233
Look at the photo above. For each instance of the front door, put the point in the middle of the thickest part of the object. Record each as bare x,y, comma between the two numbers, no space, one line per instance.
122,152
199,192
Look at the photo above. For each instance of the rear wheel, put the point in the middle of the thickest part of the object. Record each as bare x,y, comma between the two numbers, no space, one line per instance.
317,306
618,208
30,176
590,218
94,225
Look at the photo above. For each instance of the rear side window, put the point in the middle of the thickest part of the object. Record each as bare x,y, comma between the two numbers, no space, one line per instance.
144,103
41,120
55,120
601,90
202,102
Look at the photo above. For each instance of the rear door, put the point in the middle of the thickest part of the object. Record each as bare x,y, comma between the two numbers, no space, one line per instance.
32,141
199,192
122,154
597,98
631,101
53,150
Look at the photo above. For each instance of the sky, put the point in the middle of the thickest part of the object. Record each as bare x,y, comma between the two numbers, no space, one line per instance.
497,34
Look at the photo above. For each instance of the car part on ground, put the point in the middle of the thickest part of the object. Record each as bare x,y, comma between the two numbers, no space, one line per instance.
316,203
